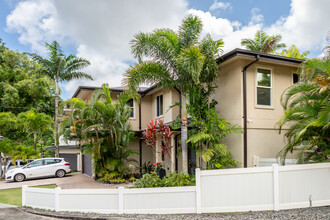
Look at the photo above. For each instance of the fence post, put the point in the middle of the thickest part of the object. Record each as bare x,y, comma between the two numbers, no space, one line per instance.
121,200
198,191
24,188
57,199
276,187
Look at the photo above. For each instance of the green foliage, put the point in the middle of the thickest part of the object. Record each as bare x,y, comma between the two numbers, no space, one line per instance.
147,167
175,59
151,180
113,177
102,129
21,85
294,52
208,129
23,153
263,43
307,113
36,124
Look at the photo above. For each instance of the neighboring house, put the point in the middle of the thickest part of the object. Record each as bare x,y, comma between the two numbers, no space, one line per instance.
267,76
72,154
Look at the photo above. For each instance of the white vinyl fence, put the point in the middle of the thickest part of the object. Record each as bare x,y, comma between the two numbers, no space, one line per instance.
228,190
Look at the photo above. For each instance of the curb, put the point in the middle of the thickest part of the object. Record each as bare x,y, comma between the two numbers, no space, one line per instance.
55,215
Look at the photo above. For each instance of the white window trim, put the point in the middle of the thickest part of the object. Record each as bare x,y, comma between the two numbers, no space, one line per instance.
162,115
133,110
271,106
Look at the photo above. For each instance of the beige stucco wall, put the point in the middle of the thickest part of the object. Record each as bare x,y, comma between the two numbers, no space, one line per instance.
230,106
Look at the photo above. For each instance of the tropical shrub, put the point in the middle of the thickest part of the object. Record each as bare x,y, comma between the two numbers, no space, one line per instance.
102,130
307,113
208,130
151,180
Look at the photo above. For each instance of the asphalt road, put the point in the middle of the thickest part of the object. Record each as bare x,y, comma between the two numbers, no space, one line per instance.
8,212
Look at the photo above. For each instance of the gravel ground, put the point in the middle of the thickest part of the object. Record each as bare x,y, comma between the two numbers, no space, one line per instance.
308,214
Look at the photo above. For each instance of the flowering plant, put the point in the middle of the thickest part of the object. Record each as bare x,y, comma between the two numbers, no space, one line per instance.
158,166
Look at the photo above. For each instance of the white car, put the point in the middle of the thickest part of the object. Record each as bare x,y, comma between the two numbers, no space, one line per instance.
40,168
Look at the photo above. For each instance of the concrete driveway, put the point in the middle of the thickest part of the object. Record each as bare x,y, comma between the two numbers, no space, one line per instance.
76,181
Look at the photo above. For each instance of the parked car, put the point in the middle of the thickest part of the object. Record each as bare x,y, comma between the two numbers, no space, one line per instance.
40,168
18,163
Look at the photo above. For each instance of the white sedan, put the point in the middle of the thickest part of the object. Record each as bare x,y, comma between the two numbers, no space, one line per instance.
40,168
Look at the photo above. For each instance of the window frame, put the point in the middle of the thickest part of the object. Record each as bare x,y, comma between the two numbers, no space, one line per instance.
265,87
156,105
132,108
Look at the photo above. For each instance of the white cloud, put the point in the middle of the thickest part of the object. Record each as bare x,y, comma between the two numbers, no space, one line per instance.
106,70
256,18
230,31
101,31
306,26
219,5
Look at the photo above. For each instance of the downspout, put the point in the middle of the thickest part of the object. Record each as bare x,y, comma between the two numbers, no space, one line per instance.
245,109
140,128
176,136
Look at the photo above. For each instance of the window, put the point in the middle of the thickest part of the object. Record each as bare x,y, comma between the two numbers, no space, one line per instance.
264,87
36,163
295,78
130,104
49,161
159,105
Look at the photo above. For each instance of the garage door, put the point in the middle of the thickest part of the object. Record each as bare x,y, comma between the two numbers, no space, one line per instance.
87,165
72,159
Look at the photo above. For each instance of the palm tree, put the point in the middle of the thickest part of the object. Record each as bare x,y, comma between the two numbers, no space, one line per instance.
61,68
263,43
101,128
294,52
23,153
34,123
307,113
175,60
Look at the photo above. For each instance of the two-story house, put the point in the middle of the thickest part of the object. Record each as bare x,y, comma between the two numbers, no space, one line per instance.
250,85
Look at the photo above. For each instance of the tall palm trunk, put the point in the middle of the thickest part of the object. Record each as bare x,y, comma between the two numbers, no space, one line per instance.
57,153
0,166
35,141
184,133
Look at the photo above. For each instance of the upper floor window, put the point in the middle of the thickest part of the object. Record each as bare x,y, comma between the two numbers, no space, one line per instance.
264,87
130,104
159,105
295,78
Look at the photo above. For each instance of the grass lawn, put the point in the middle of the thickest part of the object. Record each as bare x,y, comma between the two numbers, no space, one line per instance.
14,196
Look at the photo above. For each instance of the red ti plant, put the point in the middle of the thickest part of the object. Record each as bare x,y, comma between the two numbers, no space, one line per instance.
150,136
166,132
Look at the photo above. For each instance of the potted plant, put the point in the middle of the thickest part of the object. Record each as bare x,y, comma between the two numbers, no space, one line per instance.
161,172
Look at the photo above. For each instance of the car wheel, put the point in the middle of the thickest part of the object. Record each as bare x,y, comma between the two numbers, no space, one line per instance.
19,177
60,173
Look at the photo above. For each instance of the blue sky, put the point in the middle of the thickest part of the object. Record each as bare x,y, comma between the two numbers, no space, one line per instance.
101,30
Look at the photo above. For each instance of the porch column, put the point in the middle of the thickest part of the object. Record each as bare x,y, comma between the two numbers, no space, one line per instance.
158,150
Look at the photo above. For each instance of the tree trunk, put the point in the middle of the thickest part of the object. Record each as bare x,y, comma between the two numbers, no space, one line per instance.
35,141
184,133
57,153
0,166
